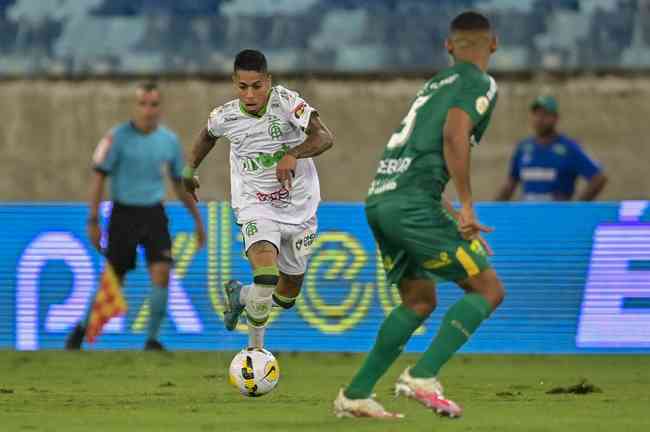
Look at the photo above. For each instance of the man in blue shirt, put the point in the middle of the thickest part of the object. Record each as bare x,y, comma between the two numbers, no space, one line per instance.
548,164
135,155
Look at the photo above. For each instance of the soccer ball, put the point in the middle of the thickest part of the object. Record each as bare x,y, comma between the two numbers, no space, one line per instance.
254,371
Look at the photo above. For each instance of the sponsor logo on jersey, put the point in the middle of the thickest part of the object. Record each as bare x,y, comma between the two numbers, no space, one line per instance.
230,117
299,111
264,160
442,261
394,166
538,174
279,198
388,263
378,187
438,84
306,241
283,93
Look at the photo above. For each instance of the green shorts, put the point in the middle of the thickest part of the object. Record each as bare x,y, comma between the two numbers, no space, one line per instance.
420,240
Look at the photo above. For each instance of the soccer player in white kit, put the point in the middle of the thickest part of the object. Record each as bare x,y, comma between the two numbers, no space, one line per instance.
273,135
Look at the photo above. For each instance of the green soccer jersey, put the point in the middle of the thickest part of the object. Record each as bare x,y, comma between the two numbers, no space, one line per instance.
413,163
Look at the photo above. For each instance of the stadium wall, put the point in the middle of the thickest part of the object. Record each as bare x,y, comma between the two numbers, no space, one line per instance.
49,130
577,277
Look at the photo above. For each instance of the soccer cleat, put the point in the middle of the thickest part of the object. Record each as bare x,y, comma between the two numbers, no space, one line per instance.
233,308
344,407
427,391
154,345
75,338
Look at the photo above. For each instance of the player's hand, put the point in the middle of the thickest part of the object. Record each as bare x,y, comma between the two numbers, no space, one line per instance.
286,170
94,233
468,226
199,232
191,184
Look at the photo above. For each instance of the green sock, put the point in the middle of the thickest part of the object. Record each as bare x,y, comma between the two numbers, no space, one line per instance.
395,331
157,310
461,320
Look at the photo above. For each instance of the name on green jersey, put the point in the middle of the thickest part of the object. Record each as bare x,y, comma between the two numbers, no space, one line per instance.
394,166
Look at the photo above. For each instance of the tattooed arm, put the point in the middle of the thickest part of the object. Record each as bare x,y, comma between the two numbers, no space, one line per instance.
319,140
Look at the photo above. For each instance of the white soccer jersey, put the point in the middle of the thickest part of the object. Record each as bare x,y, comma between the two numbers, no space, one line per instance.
256,146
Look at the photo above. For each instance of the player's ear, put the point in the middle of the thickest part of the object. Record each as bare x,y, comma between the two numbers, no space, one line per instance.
269,79
494,43
235,79
449,45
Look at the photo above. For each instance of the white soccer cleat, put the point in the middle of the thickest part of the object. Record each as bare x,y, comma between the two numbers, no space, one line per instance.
344,407
427,391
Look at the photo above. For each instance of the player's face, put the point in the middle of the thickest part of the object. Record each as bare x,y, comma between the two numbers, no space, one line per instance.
252,89
543,122
147,109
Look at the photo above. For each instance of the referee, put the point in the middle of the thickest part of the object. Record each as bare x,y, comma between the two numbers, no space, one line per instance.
135,155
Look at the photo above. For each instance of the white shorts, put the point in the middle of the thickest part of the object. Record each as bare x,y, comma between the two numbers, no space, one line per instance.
294,242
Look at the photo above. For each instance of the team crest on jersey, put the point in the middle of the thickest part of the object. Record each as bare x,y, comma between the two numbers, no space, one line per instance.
559,149
482,105
275,130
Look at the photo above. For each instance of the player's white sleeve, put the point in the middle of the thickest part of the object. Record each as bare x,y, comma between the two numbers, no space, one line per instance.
215,122
298,110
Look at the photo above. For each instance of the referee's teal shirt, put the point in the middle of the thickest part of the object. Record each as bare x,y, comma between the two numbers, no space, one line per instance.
137,162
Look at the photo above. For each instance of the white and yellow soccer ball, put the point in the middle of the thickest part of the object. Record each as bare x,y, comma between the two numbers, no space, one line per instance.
254,371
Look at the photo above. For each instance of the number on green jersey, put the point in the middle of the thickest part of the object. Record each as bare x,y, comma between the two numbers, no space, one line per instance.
398,139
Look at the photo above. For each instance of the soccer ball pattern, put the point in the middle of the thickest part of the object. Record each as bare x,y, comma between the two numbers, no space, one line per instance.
254,371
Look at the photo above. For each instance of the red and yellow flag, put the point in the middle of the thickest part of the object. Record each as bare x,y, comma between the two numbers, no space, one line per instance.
109,302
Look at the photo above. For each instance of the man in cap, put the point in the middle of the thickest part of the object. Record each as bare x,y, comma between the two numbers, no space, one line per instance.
548,163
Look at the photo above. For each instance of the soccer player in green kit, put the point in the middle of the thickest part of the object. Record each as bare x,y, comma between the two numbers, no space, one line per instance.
421,236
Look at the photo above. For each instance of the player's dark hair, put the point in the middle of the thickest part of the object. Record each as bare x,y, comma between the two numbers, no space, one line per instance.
250,60
148,86
470,21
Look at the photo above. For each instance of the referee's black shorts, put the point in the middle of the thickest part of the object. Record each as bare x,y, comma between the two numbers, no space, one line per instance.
130,226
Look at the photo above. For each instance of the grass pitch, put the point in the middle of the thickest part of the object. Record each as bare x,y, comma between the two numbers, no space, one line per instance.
133,391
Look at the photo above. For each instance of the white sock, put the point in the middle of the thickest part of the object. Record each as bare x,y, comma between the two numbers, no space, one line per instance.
256,336
243,294
259,303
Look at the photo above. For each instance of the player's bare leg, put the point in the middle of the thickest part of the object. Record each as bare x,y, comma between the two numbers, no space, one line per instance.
258,299
418,301
158,299
484,293
288,290
488,285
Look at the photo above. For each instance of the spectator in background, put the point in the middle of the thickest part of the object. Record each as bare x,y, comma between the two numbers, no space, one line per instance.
549,163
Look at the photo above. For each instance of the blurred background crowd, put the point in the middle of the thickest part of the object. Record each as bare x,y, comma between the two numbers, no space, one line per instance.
201,36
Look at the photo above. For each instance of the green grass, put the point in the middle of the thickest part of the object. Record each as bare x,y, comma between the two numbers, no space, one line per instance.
132,391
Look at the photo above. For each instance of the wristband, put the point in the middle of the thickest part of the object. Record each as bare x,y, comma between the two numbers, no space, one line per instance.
188,172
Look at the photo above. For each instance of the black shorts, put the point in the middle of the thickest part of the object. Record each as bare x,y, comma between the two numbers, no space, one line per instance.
131,226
